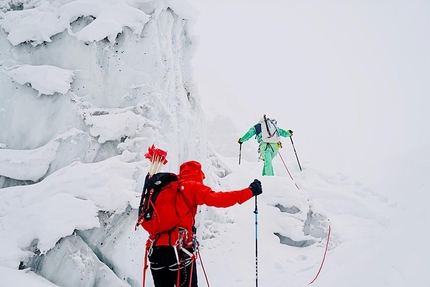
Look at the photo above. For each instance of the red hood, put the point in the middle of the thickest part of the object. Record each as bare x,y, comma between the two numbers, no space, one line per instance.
191,170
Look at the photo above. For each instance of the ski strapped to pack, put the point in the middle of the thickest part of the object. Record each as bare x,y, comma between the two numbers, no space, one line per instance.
267,126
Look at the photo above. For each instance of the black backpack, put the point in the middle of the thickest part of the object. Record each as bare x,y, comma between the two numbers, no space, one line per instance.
157,209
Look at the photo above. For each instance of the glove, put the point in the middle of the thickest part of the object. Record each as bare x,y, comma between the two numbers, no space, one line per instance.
256,188
291,132
239,141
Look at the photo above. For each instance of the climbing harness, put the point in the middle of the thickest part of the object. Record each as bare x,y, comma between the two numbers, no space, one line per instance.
181,263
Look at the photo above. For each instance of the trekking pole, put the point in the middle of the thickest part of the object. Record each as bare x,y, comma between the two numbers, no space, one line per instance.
240,152
291,138
256,242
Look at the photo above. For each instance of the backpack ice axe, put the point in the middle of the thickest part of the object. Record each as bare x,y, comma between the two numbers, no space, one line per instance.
270,133
265,121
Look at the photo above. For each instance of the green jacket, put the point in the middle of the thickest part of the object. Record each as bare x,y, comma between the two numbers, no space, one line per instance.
252,132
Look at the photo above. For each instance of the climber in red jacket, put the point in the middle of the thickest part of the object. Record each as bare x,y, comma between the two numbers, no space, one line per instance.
170,249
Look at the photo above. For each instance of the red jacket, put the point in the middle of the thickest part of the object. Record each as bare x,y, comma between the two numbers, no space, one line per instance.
193,194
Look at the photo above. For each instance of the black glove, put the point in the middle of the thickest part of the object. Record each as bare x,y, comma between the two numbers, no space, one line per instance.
256,188
239,141
290,131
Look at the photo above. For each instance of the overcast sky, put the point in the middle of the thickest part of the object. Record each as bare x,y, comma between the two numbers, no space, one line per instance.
349,77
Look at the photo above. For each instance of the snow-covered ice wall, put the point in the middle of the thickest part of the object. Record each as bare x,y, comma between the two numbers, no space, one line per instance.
85,88
91,79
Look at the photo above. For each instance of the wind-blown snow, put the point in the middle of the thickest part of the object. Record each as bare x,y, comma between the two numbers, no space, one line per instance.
87,86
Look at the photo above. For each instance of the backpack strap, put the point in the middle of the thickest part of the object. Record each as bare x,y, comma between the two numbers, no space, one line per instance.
276,132
145,187
267,147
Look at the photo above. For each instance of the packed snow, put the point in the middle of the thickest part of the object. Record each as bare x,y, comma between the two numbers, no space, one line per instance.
88,86
39,24
45,79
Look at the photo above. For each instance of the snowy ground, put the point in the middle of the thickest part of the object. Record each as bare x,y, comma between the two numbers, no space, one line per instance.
379,236
373,225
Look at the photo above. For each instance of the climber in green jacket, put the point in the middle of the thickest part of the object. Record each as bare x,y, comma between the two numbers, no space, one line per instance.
268,137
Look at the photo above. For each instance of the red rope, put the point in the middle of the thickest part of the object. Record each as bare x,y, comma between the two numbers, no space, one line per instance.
145,263
288,170
329,225
325,253
192,271
203,268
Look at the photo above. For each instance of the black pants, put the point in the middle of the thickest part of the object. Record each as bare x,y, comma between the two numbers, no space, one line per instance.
164,267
